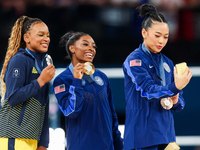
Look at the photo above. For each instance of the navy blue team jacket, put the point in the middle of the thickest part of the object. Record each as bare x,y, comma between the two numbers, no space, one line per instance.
90,119
147,123
26,108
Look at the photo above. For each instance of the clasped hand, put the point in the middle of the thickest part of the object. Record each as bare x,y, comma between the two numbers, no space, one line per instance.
46,75
78,70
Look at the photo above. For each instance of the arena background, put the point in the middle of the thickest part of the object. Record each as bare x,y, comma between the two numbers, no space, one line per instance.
116,29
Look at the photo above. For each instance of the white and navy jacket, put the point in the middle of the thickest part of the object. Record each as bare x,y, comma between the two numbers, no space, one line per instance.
90,118
147,123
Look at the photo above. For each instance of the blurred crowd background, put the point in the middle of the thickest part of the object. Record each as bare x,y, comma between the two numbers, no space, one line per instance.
114,25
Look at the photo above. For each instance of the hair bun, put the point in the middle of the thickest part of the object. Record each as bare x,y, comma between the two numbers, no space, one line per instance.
147,10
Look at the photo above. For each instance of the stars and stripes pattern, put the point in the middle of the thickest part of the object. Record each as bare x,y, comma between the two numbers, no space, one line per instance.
136,62
59,88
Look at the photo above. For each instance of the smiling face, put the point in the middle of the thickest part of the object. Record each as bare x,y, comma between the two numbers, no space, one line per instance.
83,50
156,37
38,38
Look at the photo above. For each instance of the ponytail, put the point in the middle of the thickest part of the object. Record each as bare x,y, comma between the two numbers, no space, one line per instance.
13,46
16,41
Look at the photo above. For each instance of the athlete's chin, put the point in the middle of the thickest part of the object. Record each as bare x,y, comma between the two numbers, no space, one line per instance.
89,60
157,50
43,50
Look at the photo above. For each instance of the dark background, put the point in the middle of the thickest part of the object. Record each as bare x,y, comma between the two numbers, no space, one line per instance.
114,25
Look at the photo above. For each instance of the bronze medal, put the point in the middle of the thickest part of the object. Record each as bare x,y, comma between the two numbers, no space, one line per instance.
166,103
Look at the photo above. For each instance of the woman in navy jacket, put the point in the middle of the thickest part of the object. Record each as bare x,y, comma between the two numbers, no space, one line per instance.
150,77
86,100
25,88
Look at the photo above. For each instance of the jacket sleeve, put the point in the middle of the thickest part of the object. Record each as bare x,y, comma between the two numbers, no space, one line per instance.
15,79
118,141
181,103
69,96
144,83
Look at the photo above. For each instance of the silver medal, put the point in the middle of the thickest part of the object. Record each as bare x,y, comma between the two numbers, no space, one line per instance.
49,60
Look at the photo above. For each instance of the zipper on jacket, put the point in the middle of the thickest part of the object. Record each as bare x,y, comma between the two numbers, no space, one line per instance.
168,124
150,103
99,115
22,114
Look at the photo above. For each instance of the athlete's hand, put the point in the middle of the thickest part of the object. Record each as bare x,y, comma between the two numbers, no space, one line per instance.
78,70
46,75
41,148
175,99
182,81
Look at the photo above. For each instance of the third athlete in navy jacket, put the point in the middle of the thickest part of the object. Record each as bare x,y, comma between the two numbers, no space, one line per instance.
150,77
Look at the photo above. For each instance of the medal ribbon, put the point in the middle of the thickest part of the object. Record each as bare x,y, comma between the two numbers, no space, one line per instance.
90,78
161,67
36,63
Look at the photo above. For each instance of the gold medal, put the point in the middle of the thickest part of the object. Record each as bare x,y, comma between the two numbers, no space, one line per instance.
89,68
49,60
166,103
181,68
